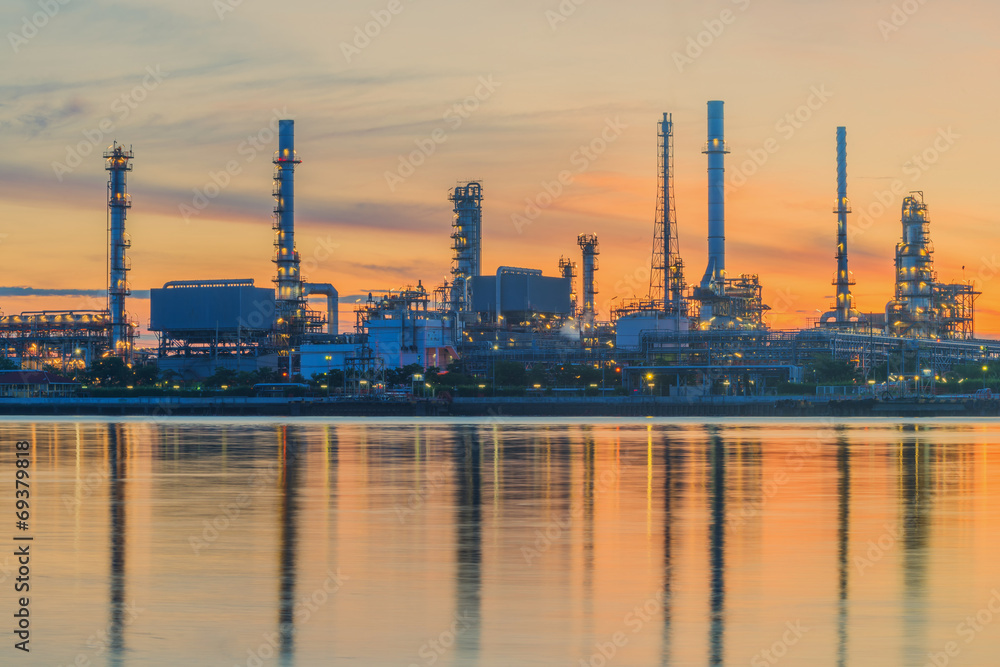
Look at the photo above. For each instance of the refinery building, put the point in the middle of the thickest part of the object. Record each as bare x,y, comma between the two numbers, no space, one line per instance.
696,337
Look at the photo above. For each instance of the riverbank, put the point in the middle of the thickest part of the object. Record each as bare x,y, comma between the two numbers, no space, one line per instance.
715,406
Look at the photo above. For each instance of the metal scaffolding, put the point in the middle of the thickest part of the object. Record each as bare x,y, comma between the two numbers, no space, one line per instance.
466,242
923,307
666,278
588,311
121,330
67,340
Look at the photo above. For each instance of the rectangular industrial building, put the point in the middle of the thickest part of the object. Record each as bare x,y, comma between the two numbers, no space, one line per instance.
225,306
521,292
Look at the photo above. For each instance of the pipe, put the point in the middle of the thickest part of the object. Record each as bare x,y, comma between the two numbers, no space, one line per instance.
332,304
716,151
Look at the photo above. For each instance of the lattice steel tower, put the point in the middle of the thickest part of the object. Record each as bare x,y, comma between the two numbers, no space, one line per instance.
666,278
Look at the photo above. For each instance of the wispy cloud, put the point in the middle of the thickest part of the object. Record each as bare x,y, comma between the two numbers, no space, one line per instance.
67,292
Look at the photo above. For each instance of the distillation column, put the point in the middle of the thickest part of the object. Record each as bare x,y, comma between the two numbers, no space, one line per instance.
588,313
118,164
567,269
912,312
466,242
290,300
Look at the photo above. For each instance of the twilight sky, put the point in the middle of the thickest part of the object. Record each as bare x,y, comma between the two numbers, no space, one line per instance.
508,92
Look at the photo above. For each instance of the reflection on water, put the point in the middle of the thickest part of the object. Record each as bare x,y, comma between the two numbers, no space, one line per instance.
117,506
843,544
497,543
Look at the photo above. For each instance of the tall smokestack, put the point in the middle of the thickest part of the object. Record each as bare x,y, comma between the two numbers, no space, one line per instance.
716,151
844,305
290,299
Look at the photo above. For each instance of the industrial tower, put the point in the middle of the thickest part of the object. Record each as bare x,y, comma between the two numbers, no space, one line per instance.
567,269
845,301
715,272
923,307
117,163
666,279
588,312
726,303
290,300
466,242
843,313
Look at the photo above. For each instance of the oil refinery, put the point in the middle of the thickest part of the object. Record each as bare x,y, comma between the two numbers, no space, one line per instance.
696,339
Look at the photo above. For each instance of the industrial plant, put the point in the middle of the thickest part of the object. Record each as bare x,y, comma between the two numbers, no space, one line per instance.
678,339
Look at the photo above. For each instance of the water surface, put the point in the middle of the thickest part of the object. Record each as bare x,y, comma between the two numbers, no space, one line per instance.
509,542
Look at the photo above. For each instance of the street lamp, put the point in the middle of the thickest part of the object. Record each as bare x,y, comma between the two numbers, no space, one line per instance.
985,368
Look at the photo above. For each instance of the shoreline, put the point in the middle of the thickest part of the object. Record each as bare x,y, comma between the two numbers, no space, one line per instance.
717,406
